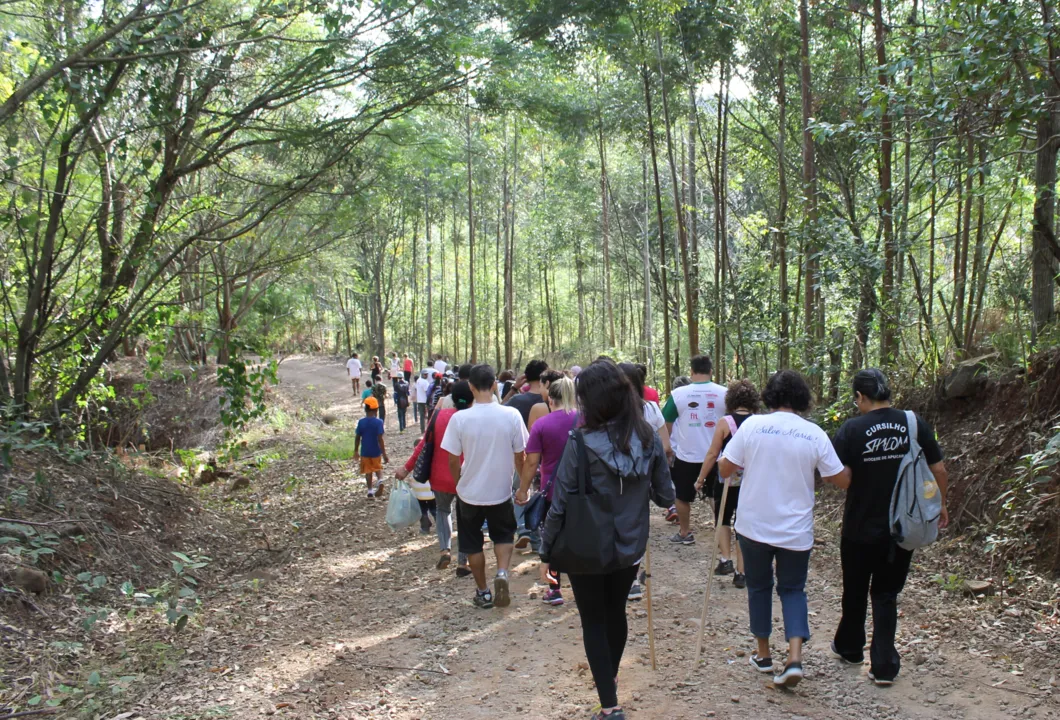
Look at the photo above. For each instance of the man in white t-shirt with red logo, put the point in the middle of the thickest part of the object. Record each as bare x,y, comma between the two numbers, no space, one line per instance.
692,413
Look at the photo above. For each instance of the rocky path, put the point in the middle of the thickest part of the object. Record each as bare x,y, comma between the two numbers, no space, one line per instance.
351,620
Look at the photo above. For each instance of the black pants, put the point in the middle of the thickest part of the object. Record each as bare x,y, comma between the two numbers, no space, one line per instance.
872,571
601,603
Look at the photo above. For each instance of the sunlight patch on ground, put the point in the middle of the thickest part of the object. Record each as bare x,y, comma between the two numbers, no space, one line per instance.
350,565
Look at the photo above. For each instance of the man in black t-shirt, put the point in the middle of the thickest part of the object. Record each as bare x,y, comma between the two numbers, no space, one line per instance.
872,447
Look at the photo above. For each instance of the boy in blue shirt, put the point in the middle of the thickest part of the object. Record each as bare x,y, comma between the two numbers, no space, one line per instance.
369,446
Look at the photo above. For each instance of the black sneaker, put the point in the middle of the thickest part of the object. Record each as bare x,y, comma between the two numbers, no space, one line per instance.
635,592
462,571
881,681
725,567
616,714
739,580
762,665
483,600
840,656
790,676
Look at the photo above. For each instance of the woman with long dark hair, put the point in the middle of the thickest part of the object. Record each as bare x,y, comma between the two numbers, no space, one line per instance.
620,462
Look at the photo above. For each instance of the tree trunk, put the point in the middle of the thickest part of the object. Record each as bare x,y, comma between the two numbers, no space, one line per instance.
454,345
1043,259
813,308
497,287
471,247
693,209
679,215
606,232
662,227
888,306
430,277
723,221
784,356
646,323
961,258
509,254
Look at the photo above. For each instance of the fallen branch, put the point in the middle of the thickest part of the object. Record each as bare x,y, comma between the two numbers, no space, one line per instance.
393,667
998,686
26,713
42,524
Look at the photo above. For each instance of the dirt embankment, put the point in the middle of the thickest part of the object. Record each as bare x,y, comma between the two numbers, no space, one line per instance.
988,431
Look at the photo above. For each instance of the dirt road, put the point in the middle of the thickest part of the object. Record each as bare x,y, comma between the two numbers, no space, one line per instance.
310,633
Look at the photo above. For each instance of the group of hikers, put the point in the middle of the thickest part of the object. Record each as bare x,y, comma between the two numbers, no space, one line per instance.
566,464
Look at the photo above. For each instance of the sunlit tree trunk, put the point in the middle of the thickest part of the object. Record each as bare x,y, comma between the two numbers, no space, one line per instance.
662,227
679,215
471,247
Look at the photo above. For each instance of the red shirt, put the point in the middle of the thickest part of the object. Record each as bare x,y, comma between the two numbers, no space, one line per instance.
408,365
441,479
651,394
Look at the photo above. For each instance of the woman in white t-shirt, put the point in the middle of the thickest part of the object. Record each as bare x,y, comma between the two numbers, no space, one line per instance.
778,454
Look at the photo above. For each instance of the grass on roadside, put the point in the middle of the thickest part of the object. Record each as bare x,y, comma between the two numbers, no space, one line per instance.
338,448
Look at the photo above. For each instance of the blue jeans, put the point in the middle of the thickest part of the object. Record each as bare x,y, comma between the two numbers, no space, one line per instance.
520,520
402,417
792,567
445,529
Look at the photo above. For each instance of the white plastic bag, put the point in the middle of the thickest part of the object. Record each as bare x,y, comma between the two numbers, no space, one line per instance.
402,510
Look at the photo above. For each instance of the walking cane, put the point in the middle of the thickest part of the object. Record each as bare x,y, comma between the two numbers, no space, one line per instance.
651,623
710,570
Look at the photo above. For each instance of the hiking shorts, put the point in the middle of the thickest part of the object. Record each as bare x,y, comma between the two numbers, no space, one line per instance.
371,465
500,520
684,474
732,500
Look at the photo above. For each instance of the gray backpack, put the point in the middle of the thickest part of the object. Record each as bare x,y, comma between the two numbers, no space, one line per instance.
916,503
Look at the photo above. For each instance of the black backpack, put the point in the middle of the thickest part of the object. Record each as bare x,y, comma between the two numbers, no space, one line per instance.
401,394
578,548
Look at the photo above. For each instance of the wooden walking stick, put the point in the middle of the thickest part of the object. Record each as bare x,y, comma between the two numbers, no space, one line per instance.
710,570
651,623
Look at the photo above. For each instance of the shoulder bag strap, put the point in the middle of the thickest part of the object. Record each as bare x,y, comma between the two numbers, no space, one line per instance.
914,445
731,421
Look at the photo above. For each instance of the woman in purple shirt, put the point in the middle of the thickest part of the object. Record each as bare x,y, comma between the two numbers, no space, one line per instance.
548,437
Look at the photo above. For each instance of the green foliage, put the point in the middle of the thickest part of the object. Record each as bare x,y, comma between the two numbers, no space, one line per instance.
293,484
178,597
337,448
31,547
1031,500
243,393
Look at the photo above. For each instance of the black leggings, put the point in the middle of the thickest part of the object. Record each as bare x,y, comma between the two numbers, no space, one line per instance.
601,603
